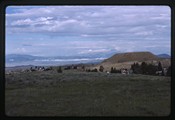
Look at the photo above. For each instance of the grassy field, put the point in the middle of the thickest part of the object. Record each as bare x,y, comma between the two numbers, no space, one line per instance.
73,93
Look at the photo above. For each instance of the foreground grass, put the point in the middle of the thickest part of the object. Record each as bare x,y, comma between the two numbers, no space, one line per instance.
86,94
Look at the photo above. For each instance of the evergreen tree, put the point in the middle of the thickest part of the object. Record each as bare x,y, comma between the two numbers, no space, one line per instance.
59,70
169,71
83,67
160,66
163,74
133,67
137,69
152,69
95,70
112,70
144,68
101,68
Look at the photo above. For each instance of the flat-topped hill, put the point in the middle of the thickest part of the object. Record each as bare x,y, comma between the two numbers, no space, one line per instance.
125,60
131,56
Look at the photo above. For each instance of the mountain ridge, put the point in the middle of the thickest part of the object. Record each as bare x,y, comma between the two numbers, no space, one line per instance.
164,56
111,59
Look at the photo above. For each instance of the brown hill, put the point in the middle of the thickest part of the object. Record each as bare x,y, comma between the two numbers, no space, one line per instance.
124,60
131,56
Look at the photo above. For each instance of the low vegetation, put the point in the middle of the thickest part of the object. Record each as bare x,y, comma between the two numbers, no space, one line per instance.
79,93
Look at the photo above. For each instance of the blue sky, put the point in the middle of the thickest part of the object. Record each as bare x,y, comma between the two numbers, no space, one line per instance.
80,30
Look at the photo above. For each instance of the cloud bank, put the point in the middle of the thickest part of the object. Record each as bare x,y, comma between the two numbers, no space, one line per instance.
87,29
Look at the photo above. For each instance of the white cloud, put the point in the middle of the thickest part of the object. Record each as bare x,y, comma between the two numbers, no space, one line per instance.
144,33
123,28
28,21
92,20
20,50
94,51
22,22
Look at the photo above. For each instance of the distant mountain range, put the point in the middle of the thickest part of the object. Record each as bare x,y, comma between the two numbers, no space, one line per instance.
19,57
22,59
18,60
164,56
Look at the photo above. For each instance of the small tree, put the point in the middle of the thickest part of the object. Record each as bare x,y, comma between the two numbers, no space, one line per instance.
94,70
112,70
101,68
144,68
169,71
83,67
136,68
163,73
152,69
159,67
75,67
59,70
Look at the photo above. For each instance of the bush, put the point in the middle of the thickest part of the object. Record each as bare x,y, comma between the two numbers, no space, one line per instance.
144,68
113,70
169,71
136,68
101,68
94,70
59,70
67,68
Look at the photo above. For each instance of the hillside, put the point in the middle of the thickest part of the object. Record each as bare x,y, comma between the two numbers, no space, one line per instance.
131,56
124,60
164,56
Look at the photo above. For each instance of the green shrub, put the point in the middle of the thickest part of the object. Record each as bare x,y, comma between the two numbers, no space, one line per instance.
59,70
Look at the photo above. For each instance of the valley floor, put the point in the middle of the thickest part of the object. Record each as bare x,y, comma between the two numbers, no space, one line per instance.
73,93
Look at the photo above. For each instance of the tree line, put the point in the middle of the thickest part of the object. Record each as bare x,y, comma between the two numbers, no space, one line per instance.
136,68
150,69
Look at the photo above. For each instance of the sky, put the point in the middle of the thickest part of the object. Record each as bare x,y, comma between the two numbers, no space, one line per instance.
81,30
